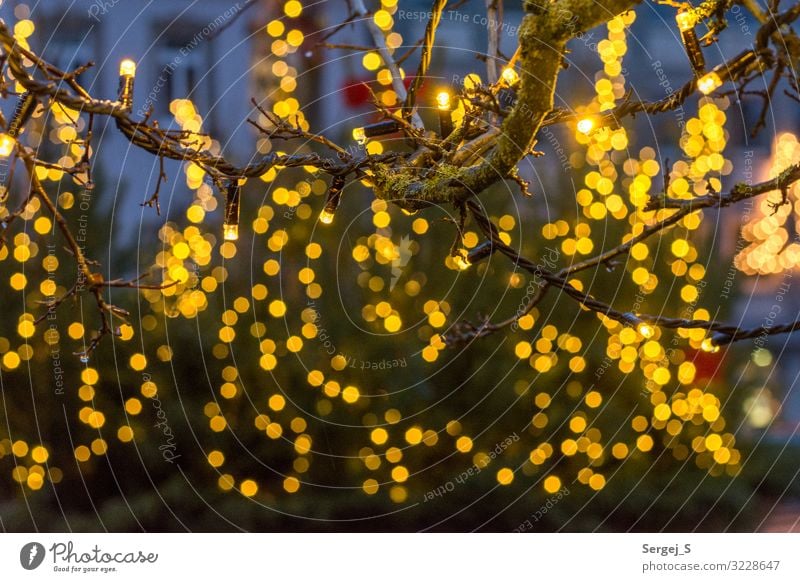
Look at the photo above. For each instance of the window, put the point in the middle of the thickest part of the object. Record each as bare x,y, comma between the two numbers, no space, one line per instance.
69,45
184,63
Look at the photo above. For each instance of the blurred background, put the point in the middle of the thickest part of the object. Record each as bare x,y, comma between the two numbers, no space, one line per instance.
298,380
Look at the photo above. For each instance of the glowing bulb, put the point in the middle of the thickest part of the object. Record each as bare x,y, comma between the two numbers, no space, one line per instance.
127,71
709,346
510,76
708,83
333,199
686,20
127,68
7,144
586,125
461,261
725,72
444,106
647,331
409,212
230,232
230,225
359,135
443,100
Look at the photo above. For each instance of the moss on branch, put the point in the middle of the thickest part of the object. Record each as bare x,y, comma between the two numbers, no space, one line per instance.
543,35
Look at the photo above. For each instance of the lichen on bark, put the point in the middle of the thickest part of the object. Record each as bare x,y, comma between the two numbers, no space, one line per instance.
543,35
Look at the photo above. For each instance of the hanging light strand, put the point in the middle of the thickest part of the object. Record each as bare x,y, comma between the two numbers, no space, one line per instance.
687,20
444,105
127,74
333,199
715,78
381,128
230,226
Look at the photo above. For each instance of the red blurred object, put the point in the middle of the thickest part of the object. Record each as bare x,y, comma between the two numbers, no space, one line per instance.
422,92
355,92
707,365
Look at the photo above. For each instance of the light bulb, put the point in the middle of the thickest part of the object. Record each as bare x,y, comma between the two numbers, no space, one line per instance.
443,104
634,321
586,125
333,199
230,232
230,226
462,260
709,346
127,68
646,330
686,20
127,72
726,71
7,144
510,76
359,135
443,100
709,82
